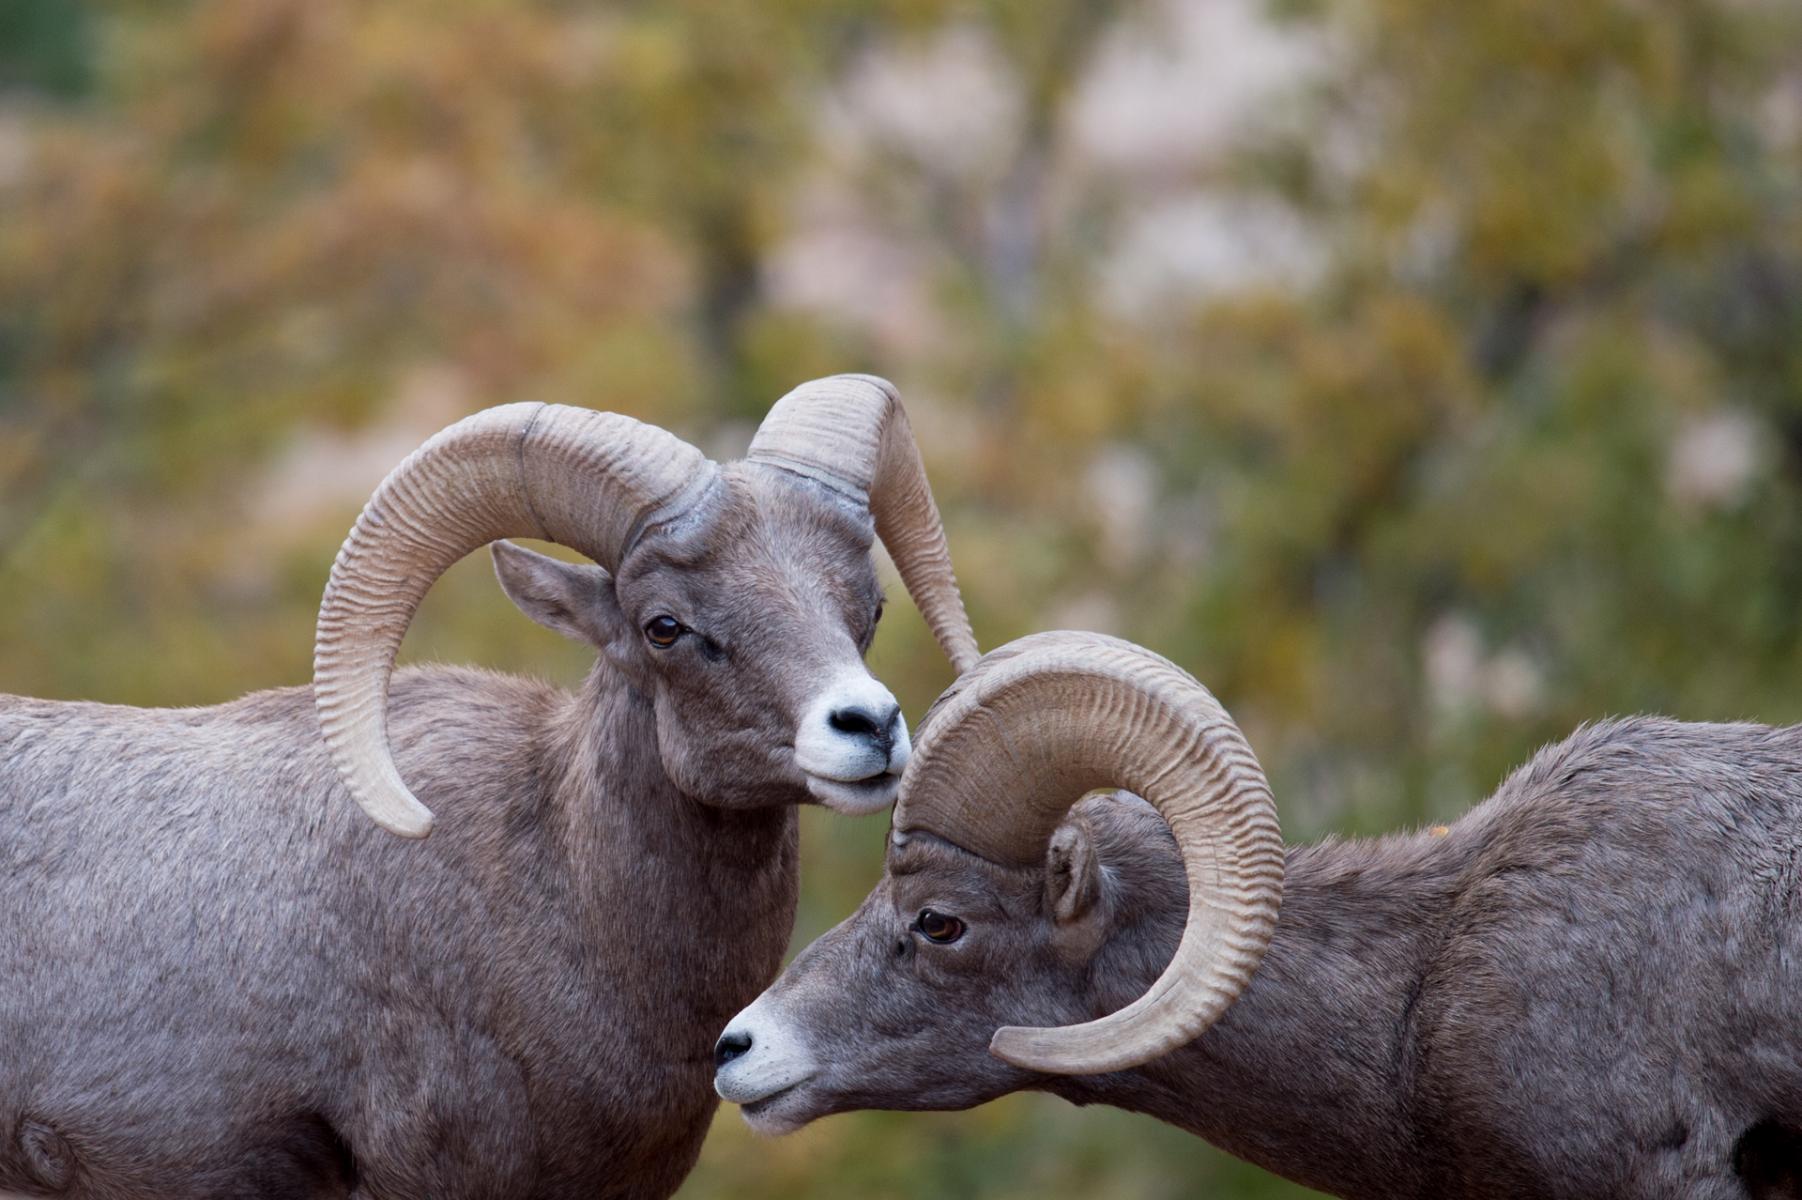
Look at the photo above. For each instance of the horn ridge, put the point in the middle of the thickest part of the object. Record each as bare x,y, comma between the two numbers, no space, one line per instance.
582,478
850,433
1043,721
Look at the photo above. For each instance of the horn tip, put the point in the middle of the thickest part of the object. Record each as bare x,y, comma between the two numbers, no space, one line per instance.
1004,1045
1020,1046
1053,1051
411,820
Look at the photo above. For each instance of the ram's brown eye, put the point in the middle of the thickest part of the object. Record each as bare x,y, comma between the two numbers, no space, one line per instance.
938,927
662,632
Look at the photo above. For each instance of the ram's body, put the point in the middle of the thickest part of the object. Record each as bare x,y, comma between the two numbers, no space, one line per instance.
1590,986
219,979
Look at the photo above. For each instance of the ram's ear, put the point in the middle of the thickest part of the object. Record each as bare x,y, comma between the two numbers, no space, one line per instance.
574,599
1072,873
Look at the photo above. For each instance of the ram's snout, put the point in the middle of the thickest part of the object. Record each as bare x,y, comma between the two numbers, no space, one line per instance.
852,744
759,1062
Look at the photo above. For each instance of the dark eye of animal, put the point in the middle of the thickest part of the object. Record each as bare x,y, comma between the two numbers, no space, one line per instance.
663,631
938,927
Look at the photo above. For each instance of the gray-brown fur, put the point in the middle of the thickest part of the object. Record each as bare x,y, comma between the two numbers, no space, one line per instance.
1591,986
219,980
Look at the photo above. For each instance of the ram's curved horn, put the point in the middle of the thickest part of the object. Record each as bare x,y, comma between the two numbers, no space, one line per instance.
589,480
1037,724
850,433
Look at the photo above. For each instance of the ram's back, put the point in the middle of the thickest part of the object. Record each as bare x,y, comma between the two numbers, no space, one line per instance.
1617,992
192,911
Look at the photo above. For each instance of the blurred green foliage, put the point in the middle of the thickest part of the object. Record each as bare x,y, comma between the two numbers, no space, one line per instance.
1519,444
44,47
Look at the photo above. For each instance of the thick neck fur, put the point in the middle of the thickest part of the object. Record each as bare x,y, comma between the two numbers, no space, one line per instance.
696,902
1307,1073
610,790
625,921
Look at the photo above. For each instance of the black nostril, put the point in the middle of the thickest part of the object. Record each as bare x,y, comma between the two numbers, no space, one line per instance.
729,1047
861,722
854,720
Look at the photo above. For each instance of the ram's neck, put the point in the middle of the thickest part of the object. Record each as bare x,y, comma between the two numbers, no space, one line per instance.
1305,1075
717,886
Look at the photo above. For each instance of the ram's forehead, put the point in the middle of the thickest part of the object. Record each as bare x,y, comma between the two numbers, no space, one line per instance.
784,500
923,869
755,513
909,854
917,852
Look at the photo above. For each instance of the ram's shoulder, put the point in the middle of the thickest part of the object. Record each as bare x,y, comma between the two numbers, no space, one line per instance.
1642,750
1639,780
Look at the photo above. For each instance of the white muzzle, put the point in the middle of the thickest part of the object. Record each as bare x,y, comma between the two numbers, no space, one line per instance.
852,744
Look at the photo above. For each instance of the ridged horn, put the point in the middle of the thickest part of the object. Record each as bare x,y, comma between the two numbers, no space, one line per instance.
1042,721
850,433
588,480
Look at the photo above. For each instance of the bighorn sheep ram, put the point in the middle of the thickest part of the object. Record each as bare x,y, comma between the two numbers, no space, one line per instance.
218,980
1590,986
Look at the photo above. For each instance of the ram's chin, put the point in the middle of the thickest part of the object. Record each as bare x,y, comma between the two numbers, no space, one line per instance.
783,1113
858,797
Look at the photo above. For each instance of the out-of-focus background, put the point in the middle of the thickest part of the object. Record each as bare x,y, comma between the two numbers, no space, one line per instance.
1425,375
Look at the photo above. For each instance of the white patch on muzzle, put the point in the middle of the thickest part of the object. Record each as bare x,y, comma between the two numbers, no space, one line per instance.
778,1057
852,744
